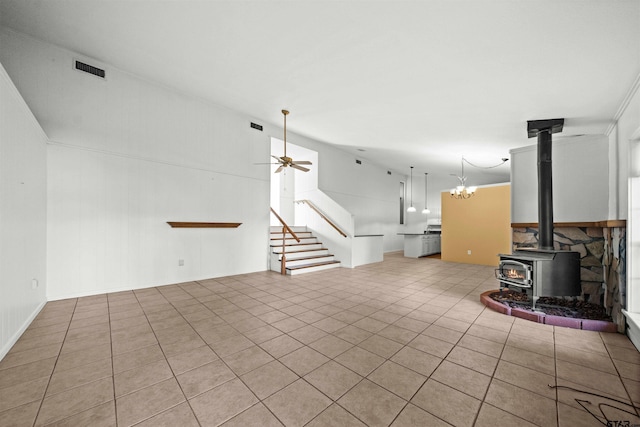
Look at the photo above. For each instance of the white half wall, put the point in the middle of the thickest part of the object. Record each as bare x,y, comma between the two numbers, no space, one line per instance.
23,213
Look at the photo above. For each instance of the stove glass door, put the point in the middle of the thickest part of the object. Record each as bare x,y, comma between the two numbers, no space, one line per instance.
514,273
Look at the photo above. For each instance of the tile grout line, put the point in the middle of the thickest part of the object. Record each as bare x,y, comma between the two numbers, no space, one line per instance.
219,358
113,374
633,405
246,288
228,367
35,420
113,356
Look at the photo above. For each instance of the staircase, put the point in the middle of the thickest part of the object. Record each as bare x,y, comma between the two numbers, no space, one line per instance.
305,256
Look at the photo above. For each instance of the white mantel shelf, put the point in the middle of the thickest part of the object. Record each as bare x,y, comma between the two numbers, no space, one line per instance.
176,224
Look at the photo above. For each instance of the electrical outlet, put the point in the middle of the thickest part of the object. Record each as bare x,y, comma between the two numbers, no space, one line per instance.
180,262
34,283
469,252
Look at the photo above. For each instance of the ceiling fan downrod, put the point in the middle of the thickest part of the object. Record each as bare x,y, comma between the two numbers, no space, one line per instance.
285,112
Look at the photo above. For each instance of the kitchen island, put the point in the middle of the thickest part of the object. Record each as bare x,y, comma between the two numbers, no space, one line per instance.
421,244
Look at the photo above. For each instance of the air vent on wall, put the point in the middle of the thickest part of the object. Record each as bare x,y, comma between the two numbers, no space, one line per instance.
90,69
359,161
256,126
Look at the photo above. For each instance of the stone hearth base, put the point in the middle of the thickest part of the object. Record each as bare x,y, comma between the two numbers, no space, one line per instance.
567,322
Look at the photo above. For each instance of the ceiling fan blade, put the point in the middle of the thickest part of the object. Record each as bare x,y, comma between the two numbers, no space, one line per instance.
277,158
279,169
293,165
266,163
302,162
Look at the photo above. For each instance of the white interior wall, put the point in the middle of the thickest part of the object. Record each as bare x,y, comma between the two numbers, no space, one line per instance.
127,155
365,190
289,182
23,210
625,137
622,133
368,192
580,180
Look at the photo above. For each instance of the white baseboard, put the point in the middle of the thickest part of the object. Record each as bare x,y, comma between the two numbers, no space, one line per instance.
15,337
633,327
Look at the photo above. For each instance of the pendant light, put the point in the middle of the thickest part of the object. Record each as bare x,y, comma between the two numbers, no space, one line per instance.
426,209
411,208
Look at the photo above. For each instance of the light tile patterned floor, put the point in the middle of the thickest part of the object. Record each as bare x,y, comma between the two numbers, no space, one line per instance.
404,342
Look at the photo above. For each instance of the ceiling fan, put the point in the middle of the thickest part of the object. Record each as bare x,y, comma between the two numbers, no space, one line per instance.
285,161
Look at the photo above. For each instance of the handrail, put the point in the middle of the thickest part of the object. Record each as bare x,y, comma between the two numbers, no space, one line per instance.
312,206
284,224
285,228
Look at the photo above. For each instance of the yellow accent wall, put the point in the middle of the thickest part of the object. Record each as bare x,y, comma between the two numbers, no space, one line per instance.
481,224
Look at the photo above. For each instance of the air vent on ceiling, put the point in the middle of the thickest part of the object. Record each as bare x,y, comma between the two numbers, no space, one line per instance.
388,172
359,161
81,66
256,126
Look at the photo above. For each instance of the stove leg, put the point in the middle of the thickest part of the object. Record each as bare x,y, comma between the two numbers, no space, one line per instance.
534,299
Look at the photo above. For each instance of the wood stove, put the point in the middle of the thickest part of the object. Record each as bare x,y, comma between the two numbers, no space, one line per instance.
540,273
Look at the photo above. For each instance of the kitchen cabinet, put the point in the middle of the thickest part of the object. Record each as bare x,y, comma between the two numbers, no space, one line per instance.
417,245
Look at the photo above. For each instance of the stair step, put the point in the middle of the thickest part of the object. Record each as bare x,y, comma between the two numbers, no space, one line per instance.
297,246
293,254
301,258
316,266
275,234
296,262
290,240
306,256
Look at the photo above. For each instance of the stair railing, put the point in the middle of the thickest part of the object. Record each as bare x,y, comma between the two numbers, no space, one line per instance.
285,229
315,208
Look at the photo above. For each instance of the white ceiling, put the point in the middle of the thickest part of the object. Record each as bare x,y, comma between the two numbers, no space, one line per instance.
411,82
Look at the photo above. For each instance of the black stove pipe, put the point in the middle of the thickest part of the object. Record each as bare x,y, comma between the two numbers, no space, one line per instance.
543,130
545,191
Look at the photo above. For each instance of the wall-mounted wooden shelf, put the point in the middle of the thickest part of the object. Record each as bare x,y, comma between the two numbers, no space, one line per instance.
596,224
176,224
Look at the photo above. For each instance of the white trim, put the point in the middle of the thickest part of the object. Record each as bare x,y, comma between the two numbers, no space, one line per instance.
625,103
633,327
101,292
16,336
53,143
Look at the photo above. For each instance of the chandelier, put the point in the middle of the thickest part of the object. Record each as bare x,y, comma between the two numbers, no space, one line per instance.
461,191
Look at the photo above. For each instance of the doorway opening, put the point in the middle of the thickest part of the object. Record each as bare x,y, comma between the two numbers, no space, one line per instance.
290,184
